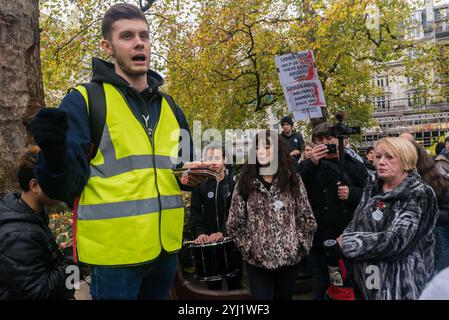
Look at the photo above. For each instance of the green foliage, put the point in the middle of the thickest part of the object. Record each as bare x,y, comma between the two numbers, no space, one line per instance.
70,37
61,226
185,255
218,55
221,65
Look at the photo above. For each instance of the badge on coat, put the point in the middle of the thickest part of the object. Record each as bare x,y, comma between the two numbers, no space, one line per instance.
278,205
210,195
296,140
378,215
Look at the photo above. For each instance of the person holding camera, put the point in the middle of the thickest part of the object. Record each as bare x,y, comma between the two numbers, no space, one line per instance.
333,196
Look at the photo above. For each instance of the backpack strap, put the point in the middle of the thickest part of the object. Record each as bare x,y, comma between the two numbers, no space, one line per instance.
97,114
170,102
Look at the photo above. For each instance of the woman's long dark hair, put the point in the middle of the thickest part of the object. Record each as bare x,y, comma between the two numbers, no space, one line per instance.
429,172
286,172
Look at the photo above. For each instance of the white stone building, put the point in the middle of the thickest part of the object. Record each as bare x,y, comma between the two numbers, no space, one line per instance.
401,109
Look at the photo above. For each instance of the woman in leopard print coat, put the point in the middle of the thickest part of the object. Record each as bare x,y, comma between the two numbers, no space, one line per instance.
270,219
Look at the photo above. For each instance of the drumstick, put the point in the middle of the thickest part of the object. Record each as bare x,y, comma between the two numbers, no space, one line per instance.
189,242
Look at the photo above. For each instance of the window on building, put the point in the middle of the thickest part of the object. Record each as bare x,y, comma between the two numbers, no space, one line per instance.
415,32
382,103
414,100
382,82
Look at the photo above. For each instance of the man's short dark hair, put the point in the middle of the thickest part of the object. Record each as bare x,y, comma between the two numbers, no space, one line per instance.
322,129
27,163
216,146
288,120
117,12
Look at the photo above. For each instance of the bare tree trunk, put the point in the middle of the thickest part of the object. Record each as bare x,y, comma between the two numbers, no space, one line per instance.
21,90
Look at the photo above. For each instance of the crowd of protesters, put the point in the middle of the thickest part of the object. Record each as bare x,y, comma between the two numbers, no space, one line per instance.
388,211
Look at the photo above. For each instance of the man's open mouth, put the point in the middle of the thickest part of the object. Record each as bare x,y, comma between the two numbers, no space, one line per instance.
138,57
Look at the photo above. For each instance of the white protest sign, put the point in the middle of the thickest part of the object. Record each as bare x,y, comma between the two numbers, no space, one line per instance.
302,88
295,67
306,113
305,94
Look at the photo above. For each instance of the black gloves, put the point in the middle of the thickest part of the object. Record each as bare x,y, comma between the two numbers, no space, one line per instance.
49,128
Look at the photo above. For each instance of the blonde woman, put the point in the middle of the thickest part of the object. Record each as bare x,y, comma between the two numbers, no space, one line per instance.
391,239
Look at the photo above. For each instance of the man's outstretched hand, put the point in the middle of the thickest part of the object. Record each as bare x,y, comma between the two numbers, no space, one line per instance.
192,179
49,128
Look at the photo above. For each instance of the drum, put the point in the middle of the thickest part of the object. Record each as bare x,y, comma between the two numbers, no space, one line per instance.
214,261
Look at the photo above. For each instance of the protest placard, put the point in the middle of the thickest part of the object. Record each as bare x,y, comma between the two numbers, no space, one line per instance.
302,88
295,67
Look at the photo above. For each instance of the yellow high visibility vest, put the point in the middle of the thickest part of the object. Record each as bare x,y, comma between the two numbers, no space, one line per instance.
131,207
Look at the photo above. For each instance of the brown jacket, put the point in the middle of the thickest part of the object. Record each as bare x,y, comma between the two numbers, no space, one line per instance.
271,229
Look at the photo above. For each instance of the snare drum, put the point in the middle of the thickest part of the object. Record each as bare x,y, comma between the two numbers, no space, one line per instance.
215,261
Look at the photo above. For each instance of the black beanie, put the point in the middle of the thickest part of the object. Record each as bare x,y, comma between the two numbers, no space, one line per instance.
287,119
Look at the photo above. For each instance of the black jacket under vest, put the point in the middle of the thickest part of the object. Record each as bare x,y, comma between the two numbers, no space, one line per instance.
210,206
31,265
295,141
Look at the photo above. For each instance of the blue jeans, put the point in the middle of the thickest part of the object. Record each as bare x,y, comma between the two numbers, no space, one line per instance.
150,281
442,248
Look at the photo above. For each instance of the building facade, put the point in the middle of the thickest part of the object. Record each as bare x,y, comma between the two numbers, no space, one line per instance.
401,108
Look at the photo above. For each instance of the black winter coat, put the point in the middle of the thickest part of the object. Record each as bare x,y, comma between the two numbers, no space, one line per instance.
207,206
31,265
332,215
295,141
443,211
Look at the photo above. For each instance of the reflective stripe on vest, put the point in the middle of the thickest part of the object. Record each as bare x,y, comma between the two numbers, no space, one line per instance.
127,208
113,166
131,207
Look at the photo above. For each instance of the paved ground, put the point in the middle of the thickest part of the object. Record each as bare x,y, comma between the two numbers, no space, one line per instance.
83,293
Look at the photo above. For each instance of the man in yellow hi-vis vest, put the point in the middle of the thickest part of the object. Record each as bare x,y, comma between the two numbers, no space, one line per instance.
128,208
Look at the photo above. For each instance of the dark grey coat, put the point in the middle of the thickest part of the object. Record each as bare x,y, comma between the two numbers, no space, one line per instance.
398,242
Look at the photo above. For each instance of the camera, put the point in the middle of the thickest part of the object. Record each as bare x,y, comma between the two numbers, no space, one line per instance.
340,130
331,148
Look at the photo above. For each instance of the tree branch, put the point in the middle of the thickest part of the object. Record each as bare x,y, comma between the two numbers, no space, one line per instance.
147,6
73,38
